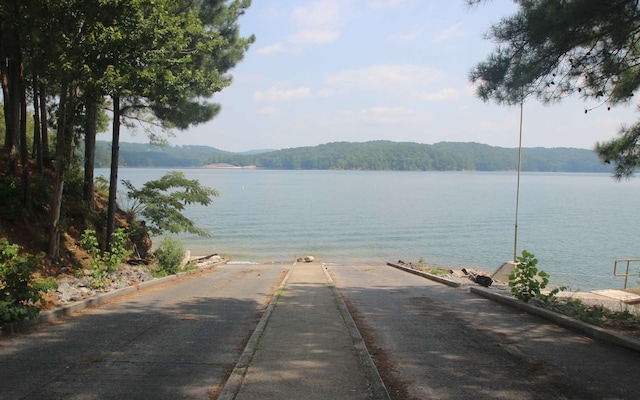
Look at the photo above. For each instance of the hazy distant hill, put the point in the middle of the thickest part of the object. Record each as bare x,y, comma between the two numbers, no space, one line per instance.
146,155
375,155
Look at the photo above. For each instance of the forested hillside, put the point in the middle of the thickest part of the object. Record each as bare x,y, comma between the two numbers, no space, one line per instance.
375,156
71,69
147,155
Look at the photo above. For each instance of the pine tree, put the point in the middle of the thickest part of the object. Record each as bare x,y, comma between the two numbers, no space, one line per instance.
552,49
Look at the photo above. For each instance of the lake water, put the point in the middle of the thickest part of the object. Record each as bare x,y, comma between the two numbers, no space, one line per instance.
575,224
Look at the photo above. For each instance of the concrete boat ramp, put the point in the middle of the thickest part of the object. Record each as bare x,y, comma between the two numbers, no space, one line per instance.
314,331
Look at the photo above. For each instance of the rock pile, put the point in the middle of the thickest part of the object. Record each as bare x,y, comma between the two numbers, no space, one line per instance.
83,285
76,288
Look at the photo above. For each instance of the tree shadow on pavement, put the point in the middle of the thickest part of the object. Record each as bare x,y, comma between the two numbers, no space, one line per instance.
133,351
432,341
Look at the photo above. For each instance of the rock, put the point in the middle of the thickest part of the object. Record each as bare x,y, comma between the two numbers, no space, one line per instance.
71,288
82,283
66,292
479,277
145,276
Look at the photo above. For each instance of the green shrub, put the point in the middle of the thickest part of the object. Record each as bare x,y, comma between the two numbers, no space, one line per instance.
103,262
575,308
169,255
161,202
18,292
90,244
119,252
45,284
439,271
526,281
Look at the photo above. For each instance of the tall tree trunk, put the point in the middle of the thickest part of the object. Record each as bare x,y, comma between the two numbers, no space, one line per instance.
90,131
24,145
37,138
4,79
113,179
63,158
12,115
46,158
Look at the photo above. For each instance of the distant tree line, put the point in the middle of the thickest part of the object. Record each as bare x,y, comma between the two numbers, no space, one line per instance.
373,156
149,155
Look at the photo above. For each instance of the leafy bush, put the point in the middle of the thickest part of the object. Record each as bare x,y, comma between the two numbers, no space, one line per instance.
18,291
596,314
107,260
526,281
161,203
119,252
104,262
169,255
575,308
45,284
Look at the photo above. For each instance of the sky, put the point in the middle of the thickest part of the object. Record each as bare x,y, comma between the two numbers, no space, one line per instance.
324,71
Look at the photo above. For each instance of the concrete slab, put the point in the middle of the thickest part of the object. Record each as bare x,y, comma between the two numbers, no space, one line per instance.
309,347
502,272
621,295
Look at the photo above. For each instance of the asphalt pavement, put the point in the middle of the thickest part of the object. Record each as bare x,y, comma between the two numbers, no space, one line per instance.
288,332
432,341
178,340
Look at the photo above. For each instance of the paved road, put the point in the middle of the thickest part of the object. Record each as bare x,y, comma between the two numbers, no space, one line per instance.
175,341
308,349
429,341
433,341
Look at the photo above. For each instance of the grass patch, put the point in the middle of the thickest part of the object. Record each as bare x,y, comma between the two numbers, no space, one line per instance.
598,315
434,270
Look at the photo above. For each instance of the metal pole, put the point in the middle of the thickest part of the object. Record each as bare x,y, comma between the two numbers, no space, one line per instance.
515,235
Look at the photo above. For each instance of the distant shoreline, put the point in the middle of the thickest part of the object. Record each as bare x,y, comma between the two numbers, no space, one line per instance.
227,166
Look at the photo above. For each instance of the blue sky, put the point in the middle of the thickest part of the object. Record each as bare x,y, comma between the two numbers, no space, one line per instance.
324,71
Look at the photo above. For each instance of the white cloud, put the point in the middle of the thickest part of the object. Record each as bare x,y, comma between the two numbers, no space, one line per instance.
318,13
406,36
446,94
318,22
278,95
270,111
271,49
384,3
452,32
383,76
